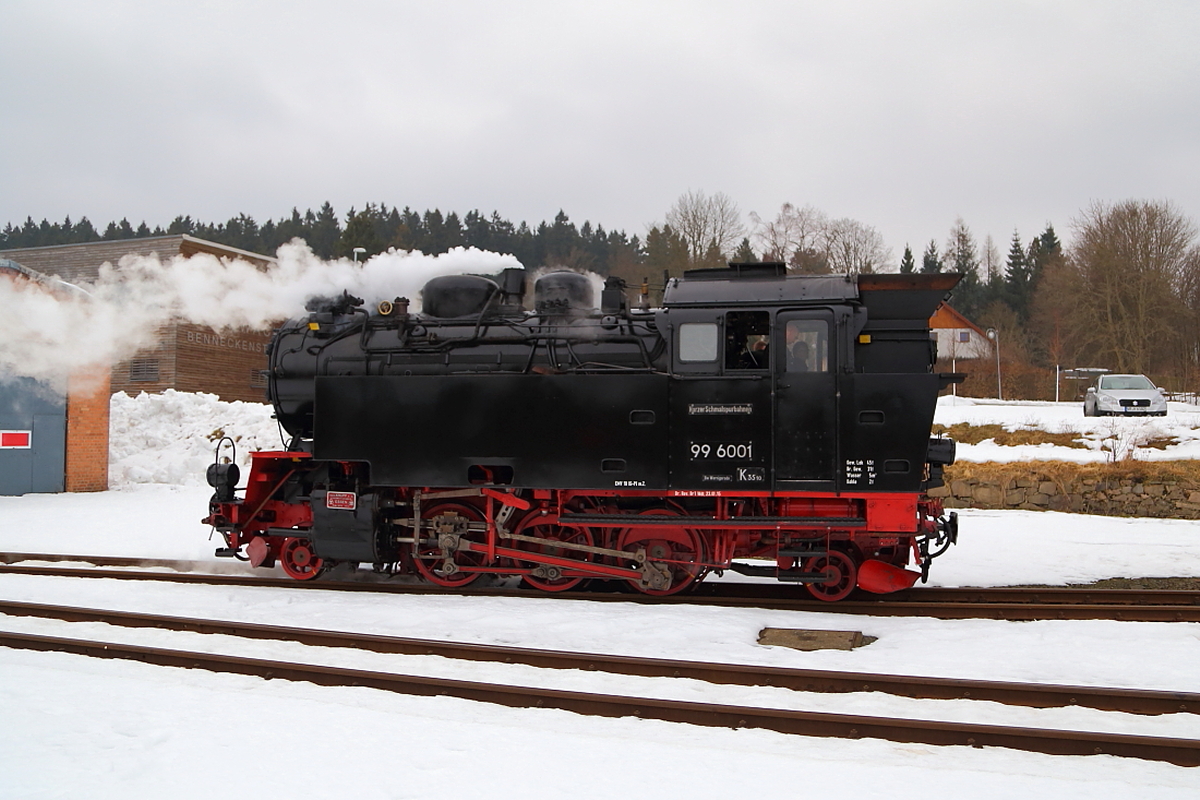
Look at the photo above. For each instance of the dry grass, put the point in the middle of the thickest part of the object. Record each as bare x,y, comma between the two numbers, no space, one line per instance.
1065,473
974,434
1159,442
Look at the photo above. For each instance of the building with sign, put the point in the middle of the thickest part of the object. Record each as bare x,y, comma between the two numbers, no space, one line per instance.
53,434
188,358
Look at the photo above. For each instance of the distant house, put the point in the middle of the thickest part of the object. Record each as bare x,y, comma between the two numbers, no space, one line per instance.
957,337
186,357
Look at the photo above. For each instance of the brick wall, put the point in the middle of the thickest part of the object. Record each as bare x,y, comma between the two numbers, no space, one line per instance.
87,432
133,375
230,364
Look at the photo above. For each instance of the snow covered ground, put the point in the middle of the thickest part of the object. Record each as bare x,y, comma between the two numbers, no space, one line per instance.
74,727
1101,437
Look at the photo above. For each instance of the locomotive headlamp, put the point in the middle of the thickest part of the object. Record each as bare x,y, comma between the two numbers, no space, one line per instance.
223,478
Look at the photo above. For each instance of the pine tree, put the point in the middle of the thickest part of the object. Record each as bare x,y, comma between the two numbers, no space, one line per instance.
559,239
906,262
962,256
931,262
325,232
181,224
1018,281
360,231
666,251
745,253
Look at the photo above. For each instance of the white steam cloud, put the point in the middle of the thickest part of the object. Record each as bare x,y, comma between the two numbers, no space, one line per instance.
49,334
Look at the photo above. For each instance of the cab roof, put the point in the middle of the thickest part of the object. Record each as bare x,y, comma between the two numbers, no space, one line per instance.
907,296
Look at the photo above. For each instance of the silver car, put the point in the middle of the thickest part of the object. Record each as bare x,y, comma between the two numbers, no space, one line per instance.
1124,395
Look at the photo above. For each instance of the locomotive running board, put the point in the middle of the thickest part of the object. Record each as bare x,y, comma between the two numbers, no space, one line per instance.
657,520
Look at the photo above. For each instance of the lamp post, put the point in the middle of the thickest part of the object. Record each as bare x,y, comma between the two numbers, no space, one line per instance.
358,250
994,335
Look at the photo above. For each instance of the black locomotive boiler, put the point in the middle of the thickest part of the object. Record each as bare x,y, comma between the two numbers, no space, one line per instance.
770,424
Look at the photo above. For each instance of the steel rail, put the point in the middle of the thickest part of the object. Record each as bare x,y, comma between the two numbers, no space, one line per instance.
1183,752
1131,701
1113,604
1001,594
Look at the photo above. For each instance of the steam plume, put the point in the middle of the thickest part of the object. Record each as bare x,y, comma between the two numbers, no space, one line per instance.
48,335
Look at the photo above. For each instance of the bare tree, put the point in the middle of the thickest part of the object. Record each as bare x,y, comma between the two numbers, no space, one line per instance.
1134,261
793,232
706,224
853,248
993,266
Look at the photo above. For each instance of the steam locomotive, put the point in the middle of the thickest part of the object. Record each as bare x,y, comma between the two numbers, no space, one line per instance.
765,423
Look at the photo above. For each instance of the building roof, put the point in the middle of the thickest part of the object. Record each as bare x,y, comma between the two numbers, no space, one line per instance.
13,269
81,262
947,317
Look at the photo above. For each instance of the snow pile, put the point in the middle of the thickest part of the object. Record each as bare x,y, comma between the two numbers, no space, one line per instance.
171,437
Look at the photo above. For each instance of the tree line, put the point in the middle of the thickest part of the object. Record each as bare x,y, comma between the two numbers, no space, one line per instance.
366,232
1125,295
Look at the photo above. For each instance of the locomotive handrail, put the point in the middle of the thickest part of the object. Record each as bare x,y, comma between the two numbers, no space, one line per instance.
531,339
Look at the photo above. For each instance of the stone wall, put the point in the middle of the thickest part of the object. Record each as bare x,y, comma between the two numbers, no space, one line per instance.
1087,489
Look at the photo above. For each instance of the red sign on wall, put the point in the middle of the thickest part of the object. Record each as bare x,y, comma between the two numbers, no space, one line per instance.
15,440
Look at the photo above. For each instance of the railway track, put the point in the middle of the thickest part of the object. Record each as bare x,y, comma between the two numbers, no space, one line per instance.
1132,701
1018,604
1177,751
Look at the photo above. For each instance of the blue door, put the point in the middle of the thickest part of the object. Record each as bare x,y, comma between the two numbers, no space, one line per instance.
33,437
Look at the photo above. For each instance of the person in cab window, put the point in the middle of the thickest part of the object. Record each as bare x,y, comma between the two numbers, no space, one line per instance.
756,356
797,360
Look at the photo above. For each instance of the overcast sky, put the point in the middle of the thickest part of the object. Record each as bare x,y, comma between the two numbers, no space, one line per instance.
904,116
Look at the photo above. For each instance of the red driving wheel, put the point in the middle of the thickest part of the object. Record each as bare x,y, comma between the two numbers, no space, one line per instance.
680,546
428,558
533,526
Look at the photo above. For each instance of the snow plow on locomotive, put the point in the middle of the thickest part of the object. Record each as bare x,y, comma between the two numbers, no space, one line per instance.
769,424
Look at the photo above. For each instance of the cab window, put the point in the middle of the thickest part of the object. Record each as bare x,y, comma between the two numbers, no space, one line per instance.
698,341
747,340
807,345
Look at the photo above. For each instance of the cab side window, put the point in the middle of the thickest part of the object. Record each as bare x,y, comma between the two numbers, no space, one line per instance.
807,346
747,340
698,341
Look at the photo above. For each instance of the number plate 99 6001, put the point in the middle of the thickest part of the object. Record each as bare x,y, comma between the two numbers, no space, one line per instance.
722,451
